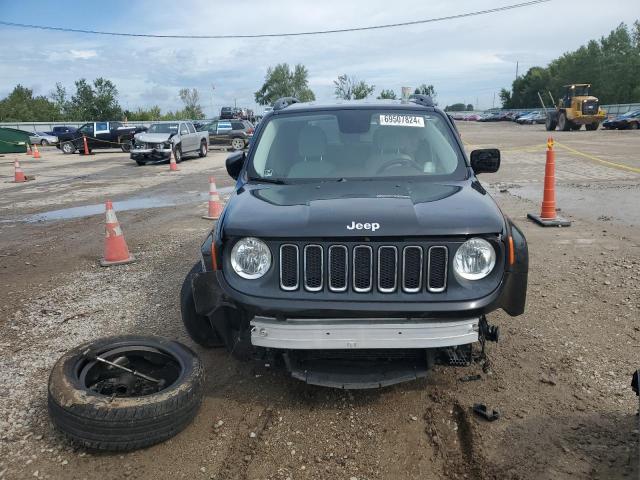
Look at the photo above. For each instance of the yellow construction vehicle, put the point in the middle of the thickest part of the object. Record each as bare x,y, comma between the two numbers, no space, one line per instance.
574,109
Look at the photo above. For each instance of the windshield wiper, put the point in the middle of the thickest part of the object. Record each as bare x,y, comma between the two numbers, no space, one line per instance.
277,181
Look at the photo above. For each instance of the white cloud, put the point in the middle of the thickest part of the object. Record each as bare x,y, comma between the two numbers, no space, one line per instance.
83,54
466,59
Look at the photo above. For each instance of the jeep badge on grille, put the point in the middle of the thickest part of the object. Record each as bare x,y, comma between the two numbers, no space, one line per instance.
363,226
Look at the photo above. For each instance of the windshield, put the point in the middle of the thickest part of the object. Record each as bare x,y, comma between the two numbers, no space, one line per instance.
163,128
363,143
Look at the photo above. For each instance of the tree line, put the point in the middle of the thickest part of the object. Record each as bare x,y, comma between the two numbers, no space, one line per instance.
611,65
284,81
99,100
90,101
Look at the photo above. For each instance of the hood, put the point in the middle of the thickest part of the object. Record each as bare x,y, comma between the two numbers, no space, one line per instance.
152,137
362,208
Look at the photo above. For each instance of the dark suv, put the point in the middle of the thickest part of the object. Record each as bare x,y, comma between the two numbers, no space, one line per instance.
232,133
359,248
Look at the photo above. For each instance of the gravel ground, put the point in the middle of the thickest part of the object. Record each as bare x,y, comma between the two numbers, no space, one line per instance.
559,375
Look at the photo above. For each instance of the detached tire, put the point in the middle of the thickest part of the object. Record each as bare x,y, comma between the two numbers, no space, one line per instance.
198,326
103,408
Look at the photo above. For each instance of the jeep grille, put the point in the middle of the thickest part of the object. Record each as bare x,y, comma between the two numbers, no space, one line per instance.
363,268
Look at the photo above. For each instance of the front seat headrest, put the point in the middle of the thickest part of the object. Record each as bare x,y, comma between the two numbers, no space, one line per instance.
312,142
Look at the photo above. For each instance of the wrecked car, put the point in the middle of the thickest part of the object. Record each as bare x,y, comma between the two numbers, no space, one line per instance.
156,144
359,248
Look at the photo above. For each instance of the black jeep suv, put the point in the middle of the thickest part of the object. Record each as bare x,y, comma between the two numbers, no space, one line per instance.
359,247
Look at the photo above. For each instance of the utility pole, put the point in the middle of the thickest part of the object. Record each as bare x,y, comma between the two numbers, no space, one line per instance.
235,103
213,110
517,65
493,104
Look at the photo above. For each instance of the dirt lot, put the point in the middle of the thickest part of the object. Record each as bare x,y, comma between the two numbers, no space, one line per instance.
560,374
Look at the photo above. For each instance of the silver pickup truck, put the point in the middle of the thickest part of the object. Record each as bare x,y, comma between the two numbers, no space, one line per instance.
155,145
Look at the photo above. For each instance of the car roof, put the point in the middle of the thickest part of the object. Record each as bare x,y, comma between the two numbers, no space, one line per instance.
353,105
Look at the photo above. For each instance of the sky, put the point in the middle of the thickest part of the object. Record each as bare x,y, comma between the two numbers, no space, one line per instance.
467,60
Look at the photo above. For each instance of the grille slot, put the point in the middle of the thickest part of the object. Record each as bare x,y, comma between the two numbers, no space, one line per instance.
437,270
289,267
362,268
338,268
313,268
387,269
412,269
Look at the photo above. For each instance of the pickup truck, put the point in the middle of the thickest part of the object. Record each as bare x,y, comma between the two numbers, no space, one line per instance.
156,144
99,135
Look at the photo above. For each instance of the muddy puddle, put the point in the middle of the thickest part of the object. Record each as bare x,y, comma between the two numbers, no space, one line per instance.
135,203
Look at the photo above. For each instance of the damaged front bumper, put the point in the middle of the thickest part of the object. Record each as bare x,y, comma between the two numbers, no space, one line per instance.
370,333
151,155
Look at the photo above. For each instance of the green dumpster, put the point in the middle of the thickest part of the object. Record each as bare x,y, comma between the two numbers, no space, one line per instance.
13,140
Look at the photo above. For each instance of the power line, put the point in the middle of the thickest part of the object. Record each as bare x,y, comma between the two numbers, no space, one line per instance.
270,35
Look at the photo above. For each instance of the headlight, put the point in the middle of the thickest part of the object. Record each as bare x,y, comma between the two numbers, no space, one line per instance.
250,258
474,259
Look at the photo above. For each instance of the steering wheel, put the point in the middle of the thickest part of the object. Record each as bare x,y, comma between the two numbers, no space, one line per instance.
398,162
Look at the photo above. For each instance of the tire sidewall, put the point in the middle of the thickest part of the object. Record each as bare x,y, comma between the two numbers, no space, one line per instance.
237,141
68,148
203,149
177,153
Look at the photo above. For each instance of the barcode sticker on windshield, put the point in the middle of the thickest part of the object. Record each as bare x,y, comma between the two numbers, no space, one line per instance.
402,120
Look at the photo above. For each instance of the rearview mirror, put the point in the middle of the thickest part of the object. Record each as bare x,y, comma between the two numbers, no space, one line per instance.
234,164
486,160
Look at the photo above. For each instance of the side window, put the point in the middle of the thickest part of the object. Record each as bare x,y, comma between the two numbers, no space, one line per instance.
237,126
224,127
102,127
212,127
116,125
86,129
183,129
192,129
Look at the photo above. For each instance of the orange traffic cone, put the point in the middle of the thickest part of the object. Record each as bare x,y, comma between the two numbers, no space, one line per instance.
85,145
215,205
173,166
116,251
19,174
548,216
28,149
36,152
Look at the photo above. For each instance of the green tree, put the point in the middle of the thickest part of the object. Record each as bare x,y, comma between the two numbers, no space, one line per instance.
192,108
609,64
59,99
97,102
349,88
21,106
456,107
469,108
280,81
387,95
425,89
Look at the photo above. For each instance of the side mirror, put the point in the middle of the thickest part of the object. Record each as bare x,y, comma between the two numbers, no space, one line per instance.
234,164
486,160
